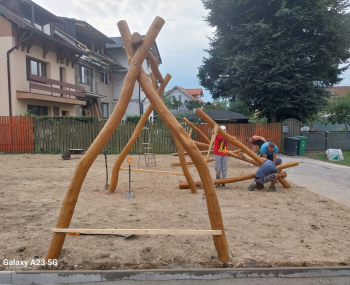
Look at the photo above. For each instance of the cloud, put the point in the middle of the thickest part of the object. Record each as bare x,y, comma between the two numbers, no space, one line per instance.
181,41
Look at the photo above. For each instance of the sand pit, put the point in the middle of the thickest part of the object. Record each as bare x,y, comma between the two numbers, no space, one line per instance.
292,227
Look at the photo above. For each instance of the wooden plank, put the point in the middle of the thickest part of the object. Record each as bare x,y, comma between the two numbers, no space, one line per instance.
139,231
56,82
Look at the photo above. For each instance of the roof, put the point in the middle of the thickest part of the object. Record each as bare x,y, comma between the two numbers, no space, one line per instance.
118,43
28,26
195,91
339,91
86,28
219,115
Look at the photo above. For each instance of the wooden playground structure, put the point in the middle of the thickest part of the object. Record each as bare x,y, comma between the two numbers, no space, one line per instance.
138,49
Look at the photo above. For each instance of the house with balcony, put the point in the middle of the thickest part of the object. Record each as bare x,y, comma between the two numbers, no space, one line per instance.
94,70
139,102
182,95
37,68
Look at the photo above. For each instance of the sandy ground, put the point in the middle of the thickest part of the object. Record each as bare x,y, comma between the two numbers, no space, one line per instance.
291,227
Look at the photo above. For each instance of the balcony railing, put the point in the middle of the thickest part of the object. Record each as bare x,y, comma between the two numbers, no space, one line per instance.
64,89
91,85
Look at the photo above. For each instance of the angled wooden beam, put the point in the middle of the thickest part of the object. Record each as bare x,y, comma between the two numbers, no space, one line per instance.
137,41
178,131
69,58
135,135
75,60
185,185
46,48
95,148
213,137
238,144
195,128
31,43
63,56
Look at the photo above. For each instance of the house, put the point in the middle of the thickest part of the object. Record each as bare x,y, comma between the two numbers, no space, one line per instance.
60,66
94,70
339,91
139,102
37,68
182,95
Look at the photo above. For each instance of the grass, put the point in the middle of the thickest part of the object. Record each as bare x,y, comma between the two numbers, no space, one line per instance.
321,155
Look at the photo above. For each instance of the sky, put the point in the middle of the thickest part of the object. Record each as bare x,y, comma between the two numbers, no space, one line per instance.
181,42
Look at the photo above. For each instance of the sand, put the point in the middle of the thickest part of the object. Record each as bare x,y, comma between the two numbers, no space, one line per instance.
291,227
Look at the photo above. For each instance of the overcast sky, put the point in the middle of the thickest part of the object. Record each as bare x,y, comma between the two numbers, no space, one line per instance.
181,42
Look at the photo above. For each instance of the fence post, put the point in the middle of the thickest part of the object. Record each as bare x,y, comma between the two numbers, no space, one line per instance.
326,140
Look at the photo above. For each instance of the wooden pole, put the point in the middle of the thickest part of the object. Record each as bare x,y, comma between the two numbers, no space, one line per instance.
86,161
198,130
184,167
153,171
121,157
238,144
213,137
184,185
178,131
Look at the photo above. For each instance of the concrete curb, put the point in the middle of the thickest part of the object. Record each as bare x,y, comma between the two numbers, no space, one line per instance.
78,276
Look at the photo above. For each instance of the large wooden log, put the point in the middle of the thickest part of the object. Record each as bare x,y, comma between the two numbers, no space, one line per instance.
184,185
212,141
238,144
195,128
184,139
135,135
86,161
137,40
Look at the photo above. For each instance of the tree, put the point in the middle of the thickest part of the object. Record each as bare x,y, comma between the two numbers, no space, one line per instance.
339,111
276,56
190,105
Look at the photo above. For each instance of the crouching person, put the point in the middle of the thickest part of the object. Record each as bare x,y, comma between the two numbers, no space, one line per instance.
267,172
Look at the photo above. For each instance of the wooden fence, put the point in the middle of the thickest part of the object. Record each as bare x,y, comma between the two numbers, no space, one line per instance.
58,135
271,132
16,134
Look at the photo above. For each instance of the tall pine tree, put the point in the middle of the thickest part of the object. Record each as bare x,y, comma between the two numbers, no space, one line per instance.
276,56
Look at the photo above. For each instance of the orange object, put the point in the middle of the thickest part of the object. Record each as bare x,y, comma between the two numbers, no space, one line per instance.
129,160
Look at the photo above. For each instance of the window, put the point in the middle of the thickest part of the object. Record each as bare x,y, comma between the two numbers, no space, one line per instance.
85,74
56,111
104,77
47,29
179,97
105,112
36,68
37,110
173,98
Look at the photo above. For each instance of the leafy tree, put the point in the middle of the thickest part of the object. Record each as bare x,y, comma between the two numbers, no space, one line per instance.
276,56
176,104
339,111
239,107
209,107
221,104
191,105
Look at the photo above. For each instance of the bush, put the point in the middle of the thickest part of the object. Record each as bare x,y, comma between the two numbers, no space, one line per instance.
133,118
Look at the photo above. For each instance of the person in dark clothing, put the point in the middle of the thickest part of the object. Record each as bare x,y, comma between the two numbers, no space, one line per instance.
256,141
267,172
